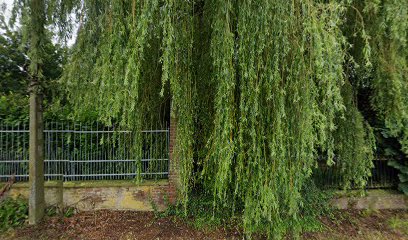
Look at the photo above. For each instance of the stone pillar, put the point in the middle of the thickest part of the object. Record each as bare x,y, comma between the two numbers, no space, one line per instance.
174,178
60,196
36,163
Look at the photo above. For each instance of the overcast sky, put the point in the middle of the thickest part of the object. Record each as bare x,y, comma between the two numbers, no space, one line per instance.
9,4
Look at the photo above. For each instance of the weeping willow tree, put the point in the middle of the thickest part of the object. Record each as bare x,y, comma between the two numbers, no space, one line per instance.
380,67
260,90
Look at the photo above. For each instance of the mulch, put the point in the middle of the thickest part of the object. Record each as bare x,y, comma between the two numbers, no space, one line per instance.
360,224
107,224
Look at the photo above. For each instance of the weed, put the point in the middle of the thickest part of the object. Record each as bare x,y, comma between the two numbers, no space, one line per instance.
69,212
169,211
399,224
368,212
51,211
13,212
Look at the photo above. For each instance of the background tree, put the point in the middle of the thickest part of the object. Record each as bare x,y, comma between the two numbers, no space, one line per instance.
35,16
14,95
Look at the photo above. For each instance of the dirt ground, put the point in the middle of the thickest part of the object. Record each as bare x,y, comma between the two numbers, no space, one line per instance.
106,224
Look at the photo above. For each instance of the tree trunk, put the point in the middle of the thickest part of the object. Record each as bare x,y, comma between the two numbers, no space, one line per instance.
36,166
35,53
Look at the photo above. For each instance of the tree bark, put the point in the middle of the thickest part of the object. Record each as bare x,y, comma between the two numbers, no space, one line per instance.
36,166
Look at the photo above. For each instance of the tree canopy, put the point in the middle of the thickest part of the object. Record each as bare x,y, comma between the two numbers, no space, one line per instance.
260,89
15,76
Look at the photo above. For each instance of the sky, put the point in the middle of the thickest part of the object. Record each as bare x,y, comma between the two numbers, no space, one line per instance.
9,4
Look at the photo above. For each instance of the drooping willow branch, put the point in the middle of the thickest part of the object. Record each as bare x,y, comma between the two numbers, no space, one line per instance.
260,89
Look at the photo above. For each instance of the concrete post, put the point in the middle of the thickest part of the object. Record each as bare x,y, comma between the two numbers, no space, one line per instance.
36,165
60,197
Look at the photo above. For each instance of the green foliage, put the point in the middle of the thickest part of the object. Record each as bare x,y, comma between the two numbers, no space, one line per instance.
13,212
200,212
289,78
403,175
177,69
69,212
170,210
389,78
51,211
399,224
259,89
315,204
13,62
13,109
355,143
15,77
385,28
65,212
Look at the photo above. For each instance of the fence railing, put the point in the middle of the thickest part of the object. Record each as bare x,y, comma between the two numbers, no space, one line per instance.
78,152
75,152
382,176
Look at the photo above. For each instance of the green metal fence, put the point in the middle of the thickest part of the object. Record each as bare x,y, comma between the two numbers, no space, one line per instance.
382,176
77,152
